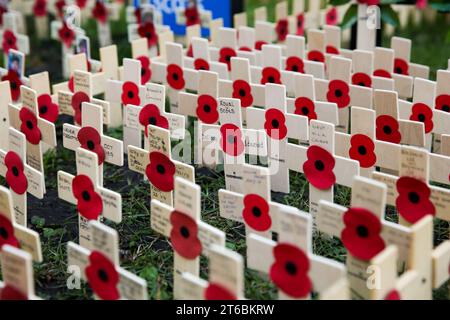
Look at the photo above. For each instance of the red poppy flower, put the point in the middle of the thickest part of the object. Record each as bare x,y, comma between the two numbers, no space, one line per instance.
331,17
225,56
130,94
12,294
14,84
316,55
189,52
66,35
270,75
47,109
15,177
100,12
338,92
7,233
148,31
443,102
201,64
369,2
243,92
289,272
363,150
175,77
305,107
422,113
388,129
150,114
401,66
59,5
160,171
282,29
29,126
256,213
146,72
192,16
361,235
393,295
295,64
331,50
90,139
361,79
81,3
71,85
259,44
207,109
77,103
300,24
102,276
40,8
89,202
275,124
217,292
137,15
245,49
231,139
413,201
184,235
382,73
319,167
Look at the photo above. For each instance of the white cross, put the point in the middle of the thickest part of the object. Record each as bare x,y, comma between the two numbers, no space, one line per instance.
441,105
10,36
204,16
402,54
201,58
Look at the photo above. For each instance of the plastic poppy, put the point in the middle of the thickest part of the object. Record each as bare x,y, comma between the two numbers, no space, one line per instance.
100,12
382,73
90,139
275,124
89,202
361,79
77,103
146,72
393,295
388,129
175,77
316,55
270,75
259,44
71,85
305,107
331,50
318,168
47,109
295,64
413,201
29,125
215,291
443,102
225,56
290,270
247,49
15,176
102,276
231,139
189,52
14,84
150,114
361,234
422,113
401,66
81,3
243,92
331,17
184,235
66,35
40,8
256,213
201,64
338,92
59,6
148,31
282,29
362,149
137,15
160,171
9,41
7,233
207,109
12,294
192,16
300,24
130,94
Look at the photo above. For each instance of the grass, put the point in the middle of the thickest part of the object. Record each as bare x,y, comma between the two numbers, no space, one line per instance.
144,252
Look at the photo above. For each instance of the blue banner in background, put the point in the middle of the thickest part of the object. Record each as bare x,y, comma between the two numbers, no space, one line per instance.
219,9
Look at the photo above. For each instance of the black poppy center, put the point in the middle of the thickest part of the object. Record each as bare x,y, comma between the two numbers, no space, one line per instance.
421,117
207,108
29,124
446,108
414,197
15,171
294,68
228,58
362,84
256,212
103,275
299,23
242,93
160,168
291,268
338,93
175,76
362,150
143,72
86,196
305,111
275,123
43,109
67,34
184,232
13,85
148,35
90,145
362,231
3,233
399,70
319,165
152,121
387,129
231,139
130,94
271,79
10,42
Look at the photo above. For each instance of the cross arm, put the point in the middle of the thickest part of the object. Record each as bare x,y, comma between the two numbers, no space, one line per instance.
441,261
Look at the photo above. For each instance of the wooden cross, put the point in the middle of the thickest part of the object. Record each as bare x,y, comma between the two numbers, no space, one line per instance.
226,278
402,63
193,14
441,105
297,18
190,237
91,198
281,21
312,16
14,73
226,46
39,10
10,37
104,13
21,177
5,100
99,265
264,34
316,45
366,34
